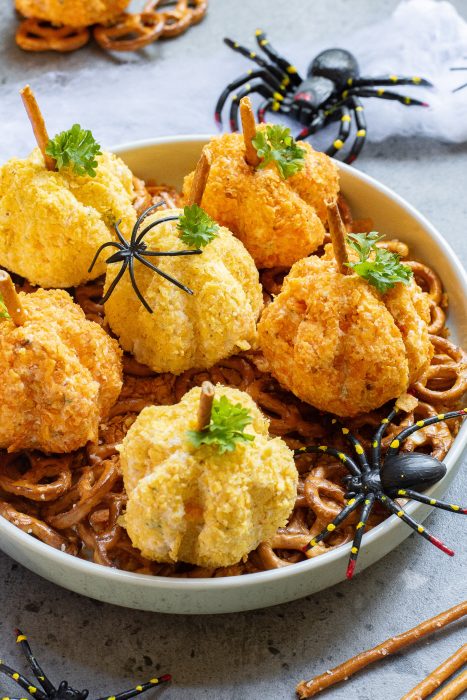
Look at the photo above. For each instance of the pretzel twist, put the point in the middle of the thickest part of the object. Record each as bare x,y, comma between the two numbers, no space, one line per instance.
129,32
39,35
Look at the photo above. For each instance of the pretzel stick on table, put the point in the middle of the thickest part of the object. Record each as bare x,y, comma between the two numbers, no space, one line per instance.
38,124
438,676
453,689
307,689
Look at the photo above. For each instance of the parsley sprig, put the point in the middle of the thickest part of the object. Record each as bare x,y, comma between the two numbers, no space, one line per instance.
197,229
76,149
226,428
277,145
3,310
378,266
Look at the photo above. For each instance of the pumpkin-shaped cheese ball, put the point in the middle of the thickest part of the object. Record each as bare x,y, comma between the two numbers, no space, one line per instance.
52,222
61,375
186,330
193,503
339,344
279,220
73,13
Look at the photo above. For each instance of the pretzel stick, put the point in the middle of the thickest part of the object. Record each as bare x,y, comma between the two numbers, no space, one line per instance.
249,131
438,676
205,405
11,299
453,689
200,178
307,689
338,234
38,125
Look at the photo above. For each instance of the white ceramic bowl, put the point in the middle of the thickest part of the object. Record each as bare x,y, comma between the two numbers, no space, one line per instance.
168,160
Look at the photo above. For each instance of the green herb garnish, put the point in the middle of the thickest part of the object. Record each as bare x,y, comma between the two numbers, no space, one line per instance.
384,269
76,149
277,145
3,310
226,428
197,229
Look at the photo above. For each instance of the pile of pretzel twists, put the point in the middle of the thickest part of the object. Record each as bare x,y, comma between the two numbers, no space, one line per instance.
73,502
122,31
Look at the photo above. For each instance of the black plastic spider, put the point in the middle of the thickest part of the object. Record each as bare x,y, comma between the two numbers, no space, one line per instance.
128,252
330,92
64,691
398,475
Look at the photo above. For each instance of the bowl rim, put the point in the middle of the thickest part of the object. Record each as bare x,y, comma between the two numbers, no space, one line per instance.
62,559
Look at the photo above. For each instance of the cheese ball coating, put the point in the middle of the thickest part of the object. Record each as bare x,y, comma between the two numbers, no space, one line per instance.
279,221
61,375
51,223
194,504
341,346
73,13
187,331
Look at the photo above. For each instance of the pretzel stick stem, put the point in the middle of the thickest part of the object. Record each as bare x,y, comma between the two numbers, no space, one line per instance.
205,405
249,131
307,689
38,125
11,299
453,689
338,234
200,178
438,676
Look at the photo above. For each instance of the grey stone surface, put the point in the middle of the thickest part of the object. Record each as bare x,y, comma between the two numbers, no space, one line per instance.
263,653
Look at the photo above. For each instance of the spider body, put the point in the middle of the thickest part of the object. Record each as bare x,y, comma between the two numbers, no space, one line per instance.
398,475
48,691
136,249
331,92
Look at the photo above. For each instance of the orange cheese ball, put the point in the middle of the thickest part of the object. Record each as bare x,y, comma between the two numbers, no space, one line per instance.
341,346
73,13
279,221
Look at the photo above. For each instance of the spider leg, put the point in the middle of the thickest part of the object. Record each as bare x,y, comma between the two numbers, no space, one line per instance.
400,512
415,496
263,74
162,274
154,223
98,252
120,235
117,279
170,253
142,216
318,121
357,109
344,131
36,669
385,95
264,107
274,70
389,80
249,88
275,57
324,534
357,540
359,451
140,688
378,436
22,681
324,449
136,288
395,445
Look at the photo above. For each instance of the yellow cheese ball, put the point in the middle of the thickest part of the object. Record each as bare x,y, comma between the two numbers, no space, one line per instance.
61,375
338,344
51,223
197,505
73,13
279,221
187,331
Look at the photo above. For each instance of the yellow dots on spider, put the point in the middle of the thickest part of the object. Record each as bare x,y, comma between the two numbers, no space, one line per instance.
360,525
236,45
453,507
351,502
394,444
358,449
313,543
416,79
276,106
380,91
420,529
342,457
367,501
346,118
112,697
154,681
249,71
21,638
407,100
432,501
263,42
32,689
278,96
258,32
235,98
420,423
338,144
354,550
15,676
400,513
360,109
139,688
248,86
252,54
345,94
345,431
323,448
361,133
385,420
401,492
334,421
375,444
440,416
393,78
330,527
292,70
350,81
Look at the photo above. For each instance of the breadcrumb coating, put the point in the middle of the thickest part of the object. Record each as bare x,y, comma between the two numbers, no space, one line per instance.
279,221
194,504
341,346
61,375
186,331
51,223
73,13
